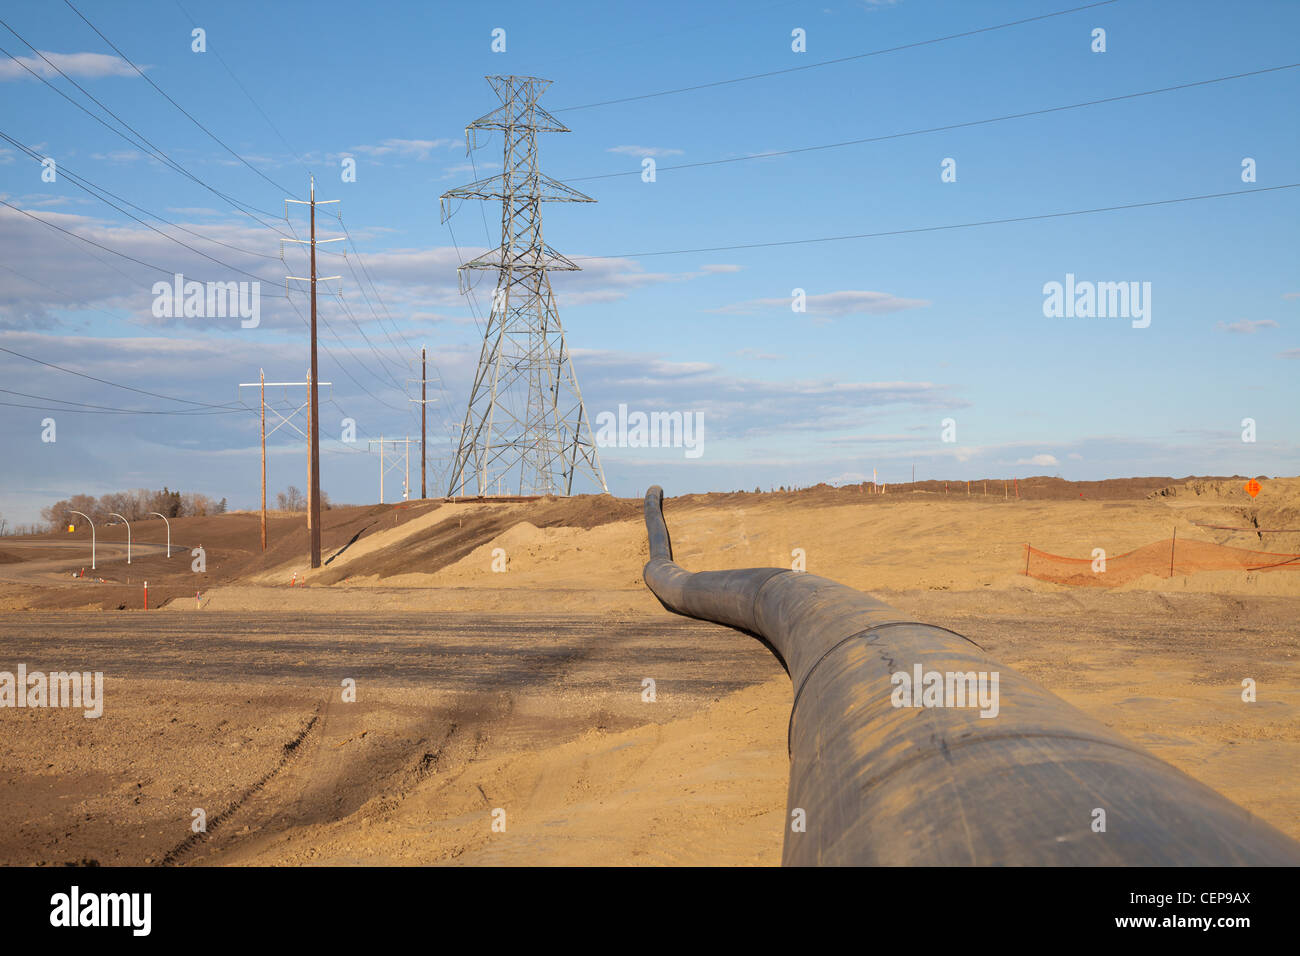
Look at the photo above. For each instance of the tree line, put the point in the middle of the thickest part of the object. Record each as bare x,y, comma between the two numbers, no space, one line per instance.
138,504
141,504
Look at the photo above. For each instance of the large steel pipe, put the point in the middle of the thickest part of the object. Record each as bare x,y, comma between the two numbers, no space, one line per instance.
878,778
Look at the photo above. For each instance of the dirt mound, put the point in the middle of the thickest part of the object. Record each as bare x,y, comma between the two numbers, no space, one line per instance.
1225,512
231,546
477,523
1215,489
1036,488
7,558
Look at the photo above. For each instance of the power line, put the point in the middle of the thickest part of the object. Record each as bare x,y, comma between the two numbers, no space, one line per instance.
937,129
374,287
78,182
334,358
353,355
149,148
287,298
460,257
104,381
217,139
123,255
347,233
235,77
87,411
65,170
342,302
61,292
842,59
960,225
347,310
108,408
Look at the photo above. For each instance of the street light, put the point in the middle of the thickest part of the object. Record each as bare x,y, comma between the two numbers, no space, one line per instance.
114,514
169,531
92,537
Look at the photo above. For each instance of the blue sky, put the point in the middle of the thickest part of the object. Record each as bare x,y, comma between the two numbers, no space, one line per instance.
901,331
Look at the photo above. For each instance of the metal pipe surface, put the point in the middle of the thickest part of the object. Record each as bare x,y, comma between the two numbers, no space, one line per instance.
877,778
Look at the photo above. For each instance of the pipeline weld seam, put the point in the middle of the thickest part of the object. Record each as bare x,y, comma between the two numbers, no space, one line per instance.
753,607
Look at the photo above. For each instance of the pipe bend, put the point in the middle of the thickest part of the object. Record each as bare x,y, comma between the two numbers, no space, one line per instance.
883,782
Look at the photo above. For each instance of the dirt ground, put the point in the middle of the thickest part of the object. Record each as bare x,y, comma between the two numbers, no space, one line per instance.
499,651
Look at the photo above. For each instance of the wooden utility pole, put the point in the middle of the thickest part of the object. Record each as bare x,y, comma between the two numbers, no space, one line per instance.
424,401
261,375
313,506
424,375
313,414
260,385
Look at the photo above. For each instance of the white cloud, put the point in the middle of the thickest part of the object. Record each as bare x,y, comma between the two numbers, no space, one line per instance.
477,169
1247,326
411,148
118,156
73,64
860,439
643,151
1043,460
846,302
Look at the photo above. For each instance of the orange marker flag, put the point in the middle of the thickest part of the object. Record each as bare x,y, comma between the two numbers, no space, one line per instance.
1252,487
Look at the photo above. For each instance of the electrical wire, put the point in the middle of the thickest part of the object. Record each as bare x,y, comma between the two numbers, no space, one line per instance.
842,59
936,129
960,225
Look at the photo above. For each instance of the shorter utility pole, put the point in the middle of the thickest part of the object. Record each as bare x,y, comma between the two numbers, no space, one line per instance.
260,385
385,467
423,401
261,375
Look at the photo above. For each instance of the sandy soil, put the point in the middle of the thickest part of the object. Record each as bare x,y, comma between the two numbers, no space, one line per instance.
243,716
894,541
476,696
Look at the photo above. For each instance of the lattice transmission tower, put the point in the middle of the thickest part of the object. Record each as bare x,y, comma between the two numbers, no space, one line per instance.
526,427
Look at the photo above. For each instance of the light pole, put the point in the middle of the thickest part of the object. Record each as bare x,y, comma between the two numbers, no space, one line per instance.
169,531
114,514
92,537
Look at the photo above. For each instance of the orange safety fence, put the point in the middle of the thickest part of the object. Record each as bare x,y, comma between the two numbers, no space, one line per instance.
1166,558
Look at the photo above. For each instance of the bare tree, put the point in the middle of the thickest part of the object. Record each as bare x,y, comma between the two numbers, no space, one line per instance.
292,500
195,504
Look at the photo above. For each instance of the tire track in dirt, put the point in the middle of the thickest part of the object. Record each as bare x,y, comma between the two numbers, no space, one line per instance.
289,751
